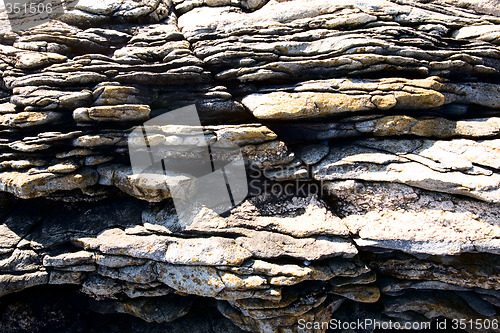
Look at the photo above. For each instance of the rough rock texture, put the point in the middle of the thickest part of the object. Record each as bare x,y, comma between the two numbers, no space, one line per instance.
370,131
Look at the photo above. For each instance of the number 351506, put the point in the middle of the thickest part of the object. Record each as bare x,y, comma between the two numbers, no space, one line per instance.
27,8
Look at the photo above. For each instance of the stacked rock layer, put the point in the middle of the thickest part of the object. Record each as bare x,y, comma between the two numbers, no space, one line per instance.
370,132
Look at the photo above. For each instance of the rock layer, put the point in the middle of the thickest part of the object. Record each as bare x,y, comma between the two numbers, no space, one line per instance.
369,130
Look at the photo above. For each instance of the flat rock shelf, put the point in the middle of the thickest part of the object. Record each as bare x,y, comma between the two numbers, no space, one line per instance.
370,133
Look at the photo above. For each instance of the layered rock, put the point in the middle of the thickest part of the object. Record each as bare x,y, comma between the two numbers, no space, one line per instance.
369,130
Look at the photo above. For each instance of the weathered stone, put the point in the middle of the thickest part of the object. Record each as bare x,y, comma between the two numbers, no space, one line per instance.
26,186
196,280
69,259
380,116
310,217
34,60
430,165
13,283
267,154
142,274
28,119
463,271
58,277
432,305
313,154
112,113
158,309
20,261
263,244
40,98
117,261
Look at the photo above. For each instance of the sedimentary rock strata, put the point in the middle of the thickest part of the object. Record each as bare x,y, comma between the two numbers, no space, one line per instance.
369,130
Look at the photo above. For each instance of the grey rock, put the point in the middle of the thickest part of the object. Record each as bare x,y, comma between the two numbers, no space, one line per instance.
209,251
263,244
12,283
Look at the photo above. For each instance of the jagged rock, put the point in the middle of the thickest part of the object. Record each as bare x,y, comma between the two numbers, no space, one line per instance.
403,94
373,177
160,310
316,220
210,251
433,305
112,113
464,271
267,154
432,165
265,244
28,119
364,294
39,98
25,185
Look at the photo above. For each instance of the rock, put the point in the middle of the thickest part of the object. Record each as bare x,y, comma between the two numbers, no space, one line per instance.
13,283
303,105
56,79
370,165
455,272
62,278
267,154
117,261
20,261
243,135
313,154
112,113
31,186
211,251
370,189
142,274
196,280
432,305
28,119
264,244
478,304
488,33
117,95
364,294
160,310
421,94
39,98
252,215
69,259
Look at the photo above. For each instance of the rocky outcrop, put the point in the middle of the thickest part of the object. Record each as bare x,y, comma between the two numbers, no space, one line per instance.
369,130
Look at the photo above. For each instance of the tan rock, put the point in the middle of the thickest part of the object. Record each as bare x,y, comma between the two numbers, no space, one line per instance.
243,135
34,60
25,185
12,283
189,251
281,105
112,113
358,293
69,259
194,280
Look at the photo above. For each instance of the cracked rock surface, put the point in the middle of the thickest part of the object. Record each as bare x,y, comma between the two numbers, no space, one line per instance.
370,134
